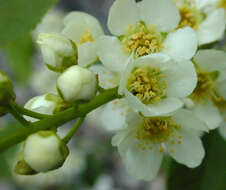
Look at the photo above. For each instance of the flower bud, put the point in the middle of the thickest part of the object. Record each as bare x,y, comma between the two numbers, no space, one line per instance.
77,83
58,52
6,89
42,152
45,104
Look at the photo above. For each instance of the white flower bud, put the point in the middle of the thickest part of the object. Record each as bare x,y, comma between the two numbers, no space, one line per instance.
77,83
44,151
58,52
45,104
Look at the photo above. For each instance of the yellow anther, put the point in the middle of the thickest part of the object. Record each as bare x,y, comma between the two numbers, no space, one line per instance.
190,15
142,40
221,4
86,37
171,151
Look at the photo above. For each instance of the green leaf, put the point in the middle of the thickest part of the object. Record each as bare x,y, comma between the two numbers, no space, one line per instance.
210,175
18,17
19,53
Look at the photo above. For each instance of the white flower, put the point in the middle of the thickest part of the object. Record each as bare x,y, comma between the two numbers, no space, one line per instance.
58,52
50,23
45,104
208,22
83,29
210,92
110,116
144,28
155,84
44,151
143,141
77,83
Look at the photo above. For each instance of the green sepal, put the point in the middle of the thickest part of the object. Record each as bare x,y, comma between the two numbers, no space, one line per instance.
6,89
22,168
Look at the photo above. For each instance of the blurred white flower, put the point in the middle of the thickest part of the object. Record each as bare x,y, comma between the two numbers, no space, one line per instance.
44,80
210,92
206,20
45,104
58,52
144,140
144,28
52,22
84,30
77,83
156,84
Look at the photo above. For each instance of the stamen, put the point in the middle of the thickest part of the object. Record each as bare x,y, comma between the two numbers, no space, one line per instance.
221,4
142,40
190,15
157,130
147,84
86,37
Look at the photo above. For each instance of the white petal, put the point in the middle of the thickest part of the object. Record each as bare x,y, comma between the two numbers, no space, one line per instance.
212,28
49,56
165,107
163,14
143,164
77,23
222,130
189,120
106,78
208,113
182,43
111,54
87,54
121,15
113,115
205,3
212,60
221,87
190,152
181,78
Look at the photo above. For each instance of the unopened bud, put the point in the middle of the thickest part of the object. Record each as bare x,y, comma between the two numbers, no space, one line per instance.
58,52
42,152
77,83
46,104
6,89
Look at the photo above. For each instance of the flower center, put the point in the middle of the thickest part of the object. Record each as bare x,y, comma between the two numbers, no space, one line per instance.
221,4
142,40
86,37
157,130
147,84
204,86
190,15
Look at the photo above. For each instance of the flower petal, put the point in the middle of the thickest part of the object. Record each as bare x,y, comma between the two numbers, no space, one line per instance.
211,60
87,54
221,87
208,113
163,14
189,120
212,28
181,78
106,78
143,164
190,152
166,106
182,43
111,54
122,14
77,23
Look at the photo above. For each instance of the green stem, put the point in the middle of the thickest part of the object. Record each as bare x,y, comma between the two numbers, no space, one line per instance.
17,115
19,118
71,133
27,112
59,119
